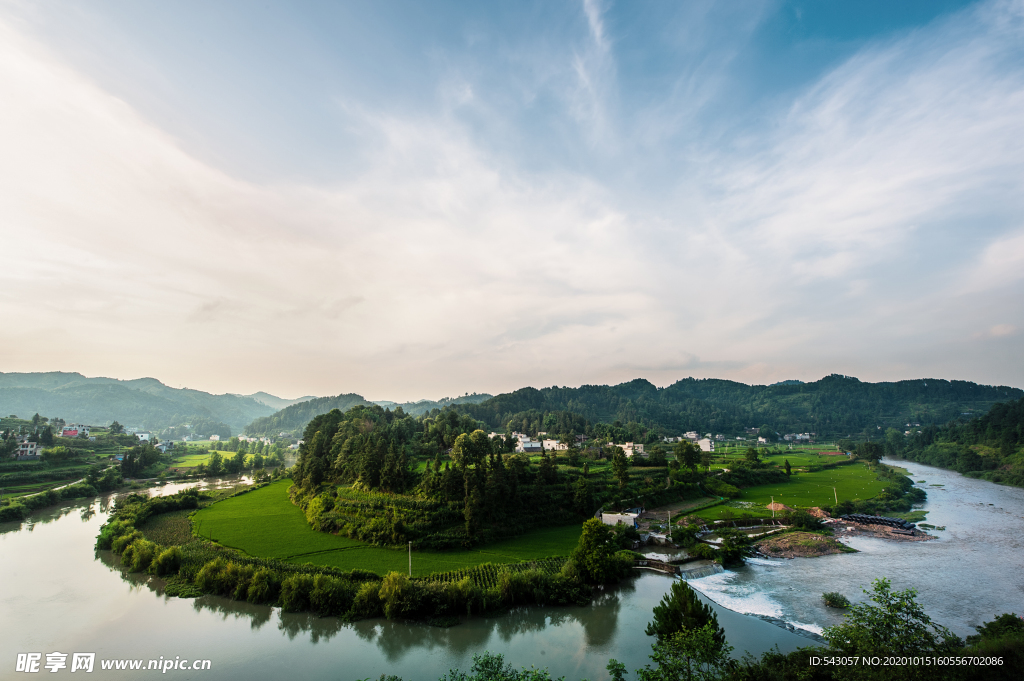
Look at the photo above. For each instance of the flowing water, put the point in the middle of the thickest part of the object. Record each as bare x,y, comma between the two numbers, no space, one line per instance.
59,595
971,573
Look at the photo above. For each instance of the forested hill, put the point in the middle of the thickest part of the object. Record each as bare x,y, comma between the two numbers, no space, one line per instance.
833,406
294,418
143,402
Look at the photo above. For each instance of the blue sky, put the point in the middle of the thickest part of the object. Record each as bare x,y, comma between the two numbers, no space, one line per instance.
412,200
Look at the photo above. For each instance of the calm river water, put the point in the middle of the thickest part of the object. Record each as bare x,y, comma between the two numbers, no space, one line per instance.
58,595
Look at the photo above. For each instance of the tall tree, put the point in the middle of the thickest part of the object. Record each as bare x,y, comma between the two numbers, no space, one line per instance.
680,610
620,466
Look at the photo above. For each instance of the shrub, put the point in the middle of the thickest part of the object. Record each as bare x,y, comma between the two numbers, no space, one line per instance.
722,489
834,599
367,600
138,555
264,587
13,512
394,595
211,578
705,551
330,595
119,544
168,562
295,590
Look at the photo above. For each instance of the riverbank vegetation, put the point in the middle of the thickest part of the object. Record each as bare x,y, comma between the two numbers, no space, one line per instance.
196,566
690,646
990,447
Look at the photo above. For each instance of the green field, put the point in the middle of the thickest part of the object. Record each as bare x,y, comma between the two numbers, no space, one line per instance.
805,490
191,460
265,523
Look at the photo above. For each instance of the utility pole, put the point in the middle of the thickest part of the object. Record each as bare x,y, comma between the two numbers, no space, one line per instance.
410,559
670,526
837,495
773,507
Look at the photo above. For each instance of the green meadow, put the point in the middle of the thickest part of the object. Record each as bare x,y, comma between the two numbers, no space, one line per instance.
805,490
265,523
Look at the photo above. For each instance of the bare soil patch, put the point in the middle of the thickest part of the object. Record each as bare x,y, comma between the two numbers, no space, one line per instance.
801,545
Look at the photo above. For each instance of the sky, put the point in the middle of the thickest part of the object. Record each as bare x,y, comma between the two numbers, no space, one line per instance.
411,200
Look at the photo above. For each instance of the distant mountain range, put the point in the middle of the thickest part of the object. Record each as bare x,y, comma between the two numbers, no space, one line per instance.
833,406
142,402
293,419
149,404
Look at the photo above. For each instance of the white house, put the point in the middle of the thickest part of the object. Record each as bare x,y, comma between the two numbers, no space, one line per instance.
763,440
691,435
555,445
631,448
620,518
528,446
144,435
27,450
706,444
215,438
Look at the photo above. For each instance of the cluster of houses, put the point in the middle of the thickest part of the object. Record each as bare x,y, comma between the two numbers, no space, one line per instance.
798,437
706,443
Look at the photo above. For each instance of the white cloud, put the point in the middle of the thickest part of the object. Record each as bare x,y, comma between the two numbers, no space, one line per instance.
836,235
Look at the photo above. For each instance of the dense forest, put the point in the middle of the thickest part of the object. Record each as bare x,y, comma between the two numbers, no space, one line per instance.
293,419
987,447
467,487
835,406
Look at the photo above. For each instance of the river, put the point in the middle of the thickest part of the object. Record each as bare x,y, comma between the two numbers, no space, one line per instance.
58,595
971,573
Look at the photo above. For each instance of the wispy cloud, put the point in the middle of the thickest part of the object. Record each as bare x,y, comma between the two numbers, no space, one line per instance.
871,217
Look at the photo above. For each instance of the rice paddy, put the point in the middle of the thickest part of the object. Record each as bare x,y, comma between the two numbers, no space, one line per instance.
265,523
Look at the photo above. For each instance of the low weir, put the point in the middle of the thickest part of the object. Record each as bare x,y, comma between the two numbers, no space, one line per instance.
702,571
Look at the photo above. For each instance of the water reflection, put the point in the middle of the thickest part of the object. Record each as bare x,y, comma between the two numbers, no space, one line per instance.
598,621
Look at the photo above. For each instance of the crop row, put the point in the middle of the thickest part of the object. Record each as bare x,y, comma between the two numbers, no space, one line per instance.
489,574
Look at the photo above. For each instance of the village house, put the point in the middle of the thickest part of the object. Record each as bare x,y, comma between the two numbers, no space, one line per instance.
631,448
144,435
706,444
215,438
27,451
555,445
628,517
74,430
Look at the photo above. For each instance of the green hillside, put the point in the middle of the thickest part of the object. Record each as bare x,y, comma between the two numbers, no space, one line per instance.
144,402
835,406
294,418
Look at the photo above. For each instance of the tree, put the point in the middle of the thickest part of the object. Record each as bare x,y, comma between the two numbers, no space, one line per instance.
895,625
688,655
582,498
751,455
214,465
688,454
789,471
681,610
872,451
620,466
594,555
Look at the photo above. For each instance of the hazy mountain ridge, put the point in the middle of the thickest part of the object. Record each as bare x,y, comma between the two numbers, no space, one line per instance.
142,402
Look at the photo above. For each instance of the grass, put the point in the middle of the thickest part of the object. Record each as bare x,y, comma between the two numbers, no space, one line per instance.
807,489
265,523
192,460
